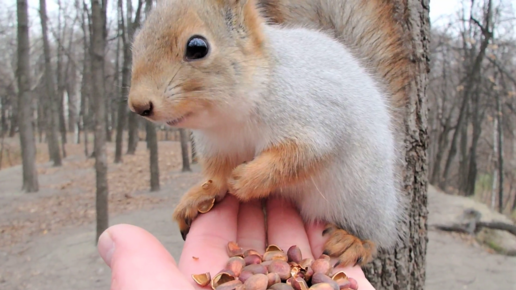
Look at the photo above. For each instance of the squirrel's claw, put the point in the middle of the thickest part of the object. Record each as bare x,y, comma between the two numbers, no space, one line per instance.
184,228
349,249
199,199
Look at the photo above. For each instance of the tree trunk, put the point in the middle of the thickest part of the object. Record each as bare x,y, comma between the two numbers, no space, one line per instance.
107,109
184,149
404,267
122,105
133,138
442,144
499,117
61,86
194,153
133,121
153,154
52,113
98,43
27,142
463,156
41,119
14,119
85,82
3,118
478,117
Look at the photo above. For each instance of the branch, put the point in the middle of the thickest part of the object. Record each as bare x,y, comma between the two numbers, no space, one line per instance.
137,17
463,228
485,31
502,70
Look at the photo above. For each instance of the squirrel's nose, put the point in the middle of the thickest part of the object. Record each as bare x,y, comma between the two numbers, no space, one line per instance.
144,109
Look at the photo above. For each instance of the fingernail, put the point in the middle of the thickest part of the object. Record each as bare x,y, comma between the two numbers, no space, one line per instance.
106,247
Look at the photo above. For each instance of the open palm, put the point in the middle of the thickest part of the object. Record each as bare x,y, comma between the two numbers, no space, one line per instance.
139,261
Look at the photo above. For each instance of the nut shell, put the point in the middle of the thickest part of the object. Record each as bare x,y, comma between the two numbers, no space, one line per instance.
281,286
206,206
273,279
252,259
321,286
275,255
273,247
282,268
202,279
231,285
256,282
305,263
319,278
294,254
235,265
233,250
256,269
245,275
321,266
221,278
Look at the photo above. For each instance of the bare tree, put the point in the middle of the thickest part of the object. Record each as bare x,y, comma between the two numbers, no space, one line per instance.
194,152
184,149
86,74
153,156
27,142
51,106
98,44
129,26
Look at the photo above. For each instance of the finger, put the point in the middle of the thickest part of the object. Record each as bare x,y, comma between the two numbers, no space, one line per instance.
205,246
314,232
138,261
317,240
286,227
251,226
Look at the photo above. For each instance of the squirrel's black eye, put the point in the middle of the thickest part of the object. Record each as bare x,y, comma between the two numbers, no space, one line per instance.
196,48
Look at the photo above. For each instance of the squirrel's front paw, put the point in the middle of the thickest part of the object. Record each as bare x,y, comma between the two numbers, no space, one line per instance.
199,199
246,184
349,249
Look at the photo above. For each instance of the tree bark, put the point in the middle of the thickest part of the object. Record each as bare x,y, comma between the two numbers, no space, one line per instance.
184,150
153,155
52,113
133,138
133,121
14,119
98,43
122,105
499,128
194,153
3,118
27,142
404,267
85,82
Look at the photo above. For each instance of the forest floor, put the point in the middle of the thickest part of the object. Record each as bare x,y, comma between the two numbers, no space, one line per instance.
47,238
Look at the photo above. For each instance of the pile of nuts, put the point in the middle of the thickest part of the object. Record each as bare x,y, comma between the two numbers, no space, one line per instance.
275,270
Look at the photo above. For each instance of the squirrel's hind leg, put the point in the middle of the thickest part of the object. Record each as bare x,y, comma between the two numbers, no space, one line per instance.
348,248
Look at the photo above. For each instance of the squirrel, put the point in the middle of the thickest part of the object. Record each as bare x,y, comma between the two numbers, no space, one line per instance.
289,98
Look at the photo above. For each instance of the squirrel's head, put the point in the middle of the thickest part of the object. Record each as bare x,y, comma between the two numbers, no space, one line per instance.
194,60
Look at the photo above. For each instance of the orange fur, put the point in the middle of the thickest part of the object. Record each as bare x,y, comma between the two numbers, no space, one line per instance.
217,171
274,168
350,249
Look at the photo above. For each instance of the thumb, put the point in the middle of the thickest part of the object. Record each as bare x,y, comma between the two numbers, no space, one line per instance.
138,261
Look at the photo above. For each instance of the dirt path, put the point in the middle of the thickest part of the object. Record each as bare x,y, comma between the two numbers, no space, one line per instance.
66,258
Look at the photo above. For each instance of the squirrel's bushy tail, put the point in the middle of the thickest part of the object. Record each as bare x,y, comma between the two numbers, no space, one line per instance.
367,27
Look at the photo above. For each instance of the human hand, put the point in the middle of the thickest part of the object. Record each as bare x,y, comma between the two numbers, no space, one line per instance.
139,261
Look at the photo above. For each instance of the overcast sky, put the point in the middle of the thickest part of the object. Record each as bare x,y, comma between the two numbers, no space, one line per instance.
438,8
